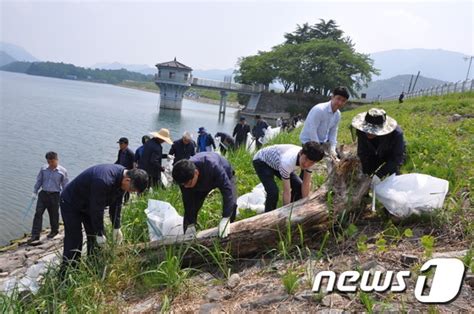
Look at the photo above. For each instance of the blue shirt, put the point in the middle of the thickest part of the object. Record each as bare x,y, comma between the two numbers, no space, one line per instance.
214,172
51,180
93,190
321,125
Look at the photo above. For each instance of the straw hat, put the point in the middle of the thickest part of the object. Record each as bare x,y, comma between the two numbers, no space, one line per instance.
163,134
375,121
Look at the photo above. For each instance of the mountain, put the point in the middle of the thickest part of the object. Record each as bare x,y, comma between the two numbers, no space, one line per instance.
213,74
5,58
397,84
140,68
16,52
435,63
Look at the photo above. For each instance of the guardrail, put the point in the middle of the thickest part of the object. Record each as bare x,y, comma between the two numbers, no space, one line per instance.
227,85
443,89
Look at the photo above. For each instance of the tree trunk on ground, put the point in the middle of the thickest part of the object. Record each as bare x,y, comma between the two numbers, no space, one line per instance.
343,191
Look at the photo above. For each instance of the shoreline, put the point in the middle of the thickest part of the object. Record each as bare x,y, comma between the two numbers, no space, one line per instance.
205,100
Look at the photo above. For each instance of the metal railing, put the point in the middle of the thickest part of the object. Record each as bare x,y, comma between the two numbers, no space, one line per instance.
227,85
443,89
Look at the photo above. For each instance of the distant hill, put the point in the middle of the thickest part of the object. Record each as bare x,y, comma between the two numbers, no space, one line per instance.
16,52
5,58
397,84
435,63
140,68
70,71
213,74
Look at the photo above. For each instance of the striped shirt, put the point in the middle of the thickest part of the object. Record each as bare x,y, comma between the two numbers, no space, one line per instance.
282,158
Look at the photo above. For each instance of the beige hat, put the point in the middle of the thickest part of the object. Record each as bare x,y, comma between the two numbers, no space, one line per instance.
163,134
375,121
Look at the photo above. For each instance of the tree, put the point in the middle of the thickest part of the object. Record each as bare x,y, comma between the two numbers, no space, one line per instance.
314,58
321,30
256,69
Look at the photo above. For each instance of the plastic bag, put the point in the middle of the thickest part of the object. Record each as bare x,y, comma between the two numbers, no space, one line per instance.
166,176
163,220
254,200
412,193
270,133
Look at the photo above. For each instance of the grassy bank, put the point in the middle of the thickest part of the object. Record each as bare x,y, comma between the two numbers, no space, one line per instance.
437,146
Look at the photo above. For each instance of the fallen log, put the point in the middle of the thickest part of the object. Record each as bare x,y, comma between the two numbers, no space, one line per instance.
342,192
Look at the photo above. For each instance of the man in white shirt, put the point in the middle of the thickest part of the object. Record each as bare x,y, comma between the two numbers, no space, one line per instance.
281,161
322,122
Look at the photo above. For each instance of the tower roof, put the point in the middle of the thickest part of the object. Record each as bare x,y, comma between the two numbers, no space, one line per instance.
174,64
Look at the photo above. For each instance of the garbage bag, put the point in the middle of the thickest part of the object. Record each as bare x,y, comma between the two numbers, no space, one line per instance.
254,200
166,176
270,133
412,193
163,220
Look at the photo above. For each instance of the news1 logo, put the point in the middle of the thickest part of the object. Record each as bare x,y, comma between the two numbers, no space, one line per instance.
445,285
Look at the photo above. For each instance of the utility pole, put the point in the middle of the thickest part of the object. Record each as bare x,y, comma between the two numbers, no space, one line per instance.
469,67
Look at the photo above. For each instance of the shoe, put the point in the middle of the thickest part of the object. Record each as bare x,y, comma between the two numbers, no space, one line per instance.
33,239
52,234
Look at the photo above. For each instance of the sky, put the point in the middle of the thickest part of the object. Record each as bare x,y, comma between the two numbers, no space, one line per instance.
214,34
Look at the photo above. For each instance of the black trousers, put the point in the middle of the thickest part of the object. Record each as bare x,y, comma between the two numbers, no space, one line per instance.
115,213
46,201
74,220
267,175
196,200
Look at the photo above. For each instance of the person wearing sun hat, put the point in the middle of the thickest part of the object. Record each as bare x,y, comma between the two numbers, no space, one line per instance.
380,143
153,155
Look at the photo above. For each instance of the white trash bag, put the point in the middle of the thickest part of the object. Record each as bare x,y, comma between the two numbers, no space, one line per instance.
254,200
166,176
163,220
270,133
412,193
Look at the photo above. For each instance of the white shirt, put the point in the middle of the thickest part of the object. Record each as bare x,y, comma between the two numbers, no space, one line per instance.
281,158
321,125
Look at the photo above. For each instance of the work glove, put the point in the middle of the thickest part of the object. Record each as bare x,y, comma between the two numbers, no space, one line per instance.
101,240
333,154
34,195
190,231
224,227
117,236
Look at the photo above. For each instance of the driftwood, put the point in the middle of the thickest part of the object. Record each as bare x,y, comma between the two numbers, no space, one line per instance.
342,191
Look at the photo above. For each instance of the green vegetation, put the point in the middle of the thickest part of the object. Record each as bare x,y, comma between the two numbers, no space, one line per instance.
312,59
70,71
436,146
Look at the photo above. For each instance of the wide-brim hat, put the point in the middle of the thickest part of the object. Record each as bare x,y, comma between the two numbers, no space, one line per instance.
375,122
163,134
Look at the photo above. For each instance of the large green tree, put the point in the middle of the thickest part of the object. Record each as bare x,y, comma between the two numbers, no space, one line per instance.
313,59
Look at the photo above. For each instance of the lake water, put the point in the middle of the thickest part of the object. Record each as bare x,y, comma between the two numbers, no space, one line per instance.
81,122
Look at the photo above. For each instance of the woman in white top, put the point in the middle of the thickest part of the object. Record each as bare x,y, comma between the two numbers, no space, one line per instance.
282,161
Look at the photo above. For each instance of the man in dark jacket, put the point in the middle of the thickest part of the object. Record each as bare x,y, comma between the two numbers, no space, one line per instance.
258,130
380,143
153,155
184,148
83,202
197,177
205,141
240,132
227,142
125,157
139,152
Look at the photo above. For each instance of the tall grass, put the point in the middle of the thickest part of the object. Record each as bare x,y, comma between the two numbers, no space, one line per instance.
436,146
